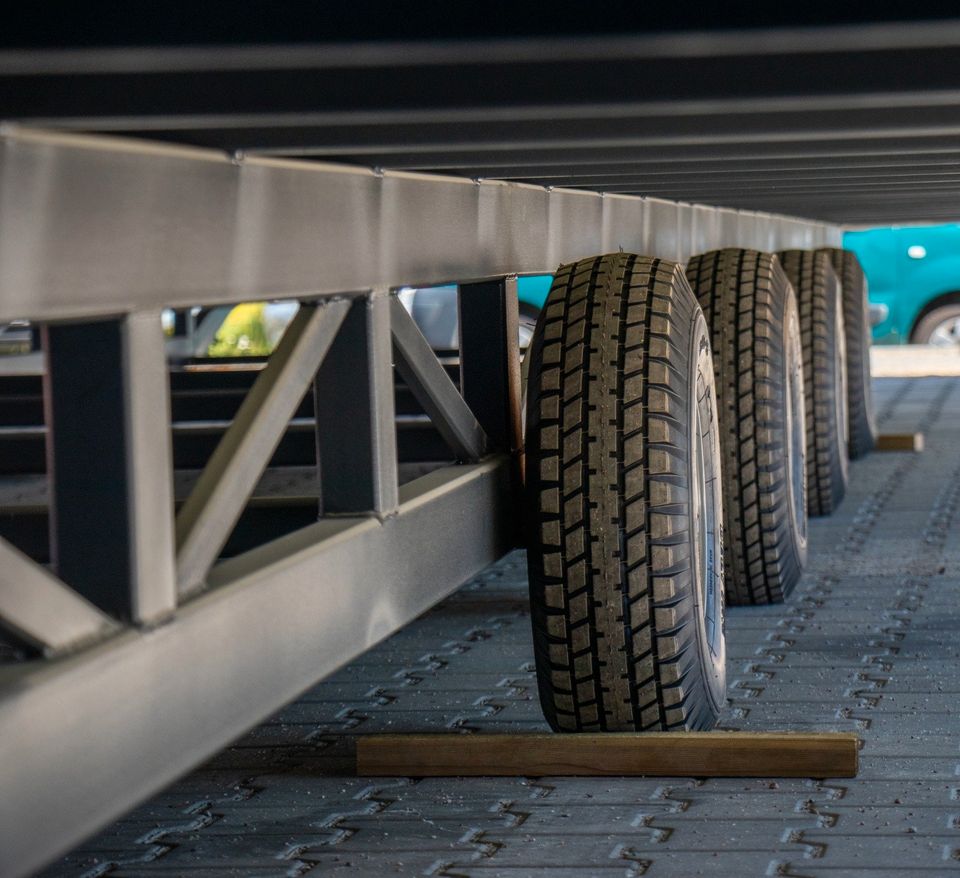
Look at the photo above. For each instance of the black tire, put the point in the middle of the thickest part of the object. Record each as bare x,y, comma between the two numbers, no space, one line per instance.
824,375
939,327
751,310
624,509
856,323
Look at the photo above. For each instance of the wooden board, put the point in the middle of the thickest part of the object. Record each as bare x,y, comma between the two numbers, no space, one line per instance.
900,442
672,754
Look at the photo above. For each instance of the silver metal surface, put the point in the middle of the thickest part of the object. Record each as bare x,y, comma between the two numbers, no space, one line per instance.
383,430
208,516
946,333
43,612
795,426
841,399
418,366
150,467
705,516
144,707
193,226
355,430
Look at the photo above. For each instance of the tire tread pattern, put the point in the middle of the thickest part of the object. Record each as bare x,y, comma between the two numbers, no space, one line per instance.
745,297
610,573
817,287
856,321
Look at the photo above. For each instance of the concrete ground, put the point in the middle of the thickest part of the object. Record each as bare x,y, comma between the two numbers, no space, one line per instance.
867,643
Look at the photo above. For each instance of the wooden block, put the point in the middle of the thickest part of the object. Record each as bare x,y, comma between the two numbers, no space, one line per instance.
671,754
900,442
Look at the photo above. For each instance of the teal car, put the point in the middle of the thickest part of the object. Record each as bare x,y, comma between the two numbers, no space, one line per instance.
913,273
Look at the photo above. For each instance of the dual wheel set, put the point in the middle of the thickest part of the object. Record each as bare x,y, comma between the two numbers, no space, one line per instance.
681,424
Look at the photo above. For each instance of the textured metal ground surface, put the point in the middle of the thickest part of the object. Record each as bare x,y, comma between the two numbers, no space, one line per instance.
867,643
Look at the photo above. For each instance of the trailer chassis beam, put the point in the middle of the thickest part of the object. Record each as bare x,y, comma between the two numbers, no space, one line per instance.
136,710
207,518
197,226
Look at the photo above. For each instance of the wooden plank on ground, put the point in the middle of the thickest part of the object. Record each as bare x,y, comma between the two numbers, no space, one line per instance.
671,754
900,442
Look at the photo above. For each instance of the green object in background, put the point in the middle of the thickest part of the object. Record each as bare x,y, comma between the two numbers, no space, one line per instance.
243,333
914,271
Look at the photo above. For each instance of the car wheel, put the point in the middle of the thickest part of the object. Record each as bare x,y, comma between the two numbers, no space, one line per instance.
820,301
751,310
856,321
941,327
623,501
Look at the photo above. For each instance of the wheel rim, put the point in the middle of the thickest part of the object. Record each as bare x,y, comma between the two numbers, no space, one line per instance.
706,515
526,327
946,334
796,430
840,396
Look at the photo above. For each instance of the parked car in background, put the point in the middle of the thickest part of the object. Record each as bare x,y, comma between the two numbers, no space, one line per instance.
913,274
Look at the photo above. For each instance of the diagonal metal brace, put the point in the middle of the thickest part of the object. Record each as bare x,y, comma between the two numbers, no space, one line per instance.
421,370
40,610
209,515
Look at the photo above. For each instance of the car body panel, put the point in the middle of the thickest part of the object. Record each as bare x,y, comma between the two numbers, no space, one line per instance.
908,268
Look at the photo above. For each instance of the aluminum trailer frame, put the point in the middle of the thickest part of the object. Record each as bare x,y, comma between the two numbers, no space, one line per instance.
224,229
142,681
147,654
